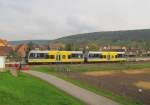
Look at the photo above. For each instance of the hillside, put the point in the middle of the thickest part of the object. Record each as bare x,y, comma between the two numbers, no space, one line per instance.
130,38
28,41
139,37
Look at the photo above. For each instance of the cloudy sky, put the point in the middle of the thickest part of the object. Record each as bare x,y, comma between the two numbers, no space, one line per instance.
50,19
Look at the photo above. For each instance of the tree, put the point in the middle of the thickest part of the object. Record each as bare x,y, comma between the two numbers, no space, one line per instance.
29,48
13,54
93,46
69,47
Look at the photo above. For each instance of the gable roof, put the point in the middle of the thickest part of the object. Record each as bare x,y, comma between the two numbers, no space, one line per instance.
4,51
4,42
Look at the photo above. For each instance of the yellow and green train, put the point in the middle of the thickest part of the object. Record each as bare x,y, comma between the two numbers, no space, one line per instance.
75,56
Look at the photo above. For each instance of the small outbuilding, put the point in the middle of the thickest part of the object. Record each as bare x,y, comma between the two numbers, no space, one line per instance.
2,63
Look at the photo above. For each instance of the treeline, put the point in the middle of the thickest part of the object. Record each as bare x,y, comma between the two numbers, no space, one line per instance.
131,38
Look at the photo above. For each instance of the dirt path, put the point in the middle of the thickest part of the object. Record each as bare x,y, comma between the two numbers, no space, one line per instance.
86,96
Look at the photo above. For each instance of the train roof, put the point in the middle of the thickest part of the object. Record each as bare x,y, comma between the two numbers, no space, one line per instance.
94,52
38,51
99,52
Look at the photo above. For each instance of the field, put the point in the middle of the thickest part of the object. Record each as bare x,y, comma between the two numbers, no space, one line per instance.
126,83
130,84
27,90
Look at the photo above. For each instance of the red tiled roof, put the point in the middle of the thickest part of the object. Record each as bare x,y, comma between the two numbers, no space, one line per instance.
4,51
5,42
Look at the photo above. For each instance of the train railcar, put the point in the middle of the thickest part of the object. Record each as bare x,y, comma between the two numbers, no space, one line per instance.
120,56
74,57
94,56
55,57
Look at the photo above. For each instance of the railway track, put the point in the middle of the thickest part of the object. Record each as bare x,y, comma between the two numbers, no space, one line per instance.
133,62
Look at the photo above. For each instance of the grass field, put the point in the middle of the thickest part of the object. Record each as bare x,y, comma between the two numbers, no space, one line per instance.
27,90
81,68
91,67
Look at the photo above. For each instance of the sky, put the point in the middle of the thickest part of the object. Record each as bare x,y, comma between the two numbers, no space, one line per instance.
51,19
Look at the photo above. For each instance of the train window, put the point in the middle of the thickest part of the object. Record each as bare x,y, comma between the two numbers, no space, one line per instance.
41,55
120,56
95,56
64,56
103,56
46,56
31,55
76,56
116,56
38,56
69,56
51,57
112,56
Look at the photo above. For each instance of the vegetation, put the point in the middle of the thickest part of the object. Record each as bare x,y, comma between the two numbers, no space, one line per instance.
130,38
43,42
27,90
13,54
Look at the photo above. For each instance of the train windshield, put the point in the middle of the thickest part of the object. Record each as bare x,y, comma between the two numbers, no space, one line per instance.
38,56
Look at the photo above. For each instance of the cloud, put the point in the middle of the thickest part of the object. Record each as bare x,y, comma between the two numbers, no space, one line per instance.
50,19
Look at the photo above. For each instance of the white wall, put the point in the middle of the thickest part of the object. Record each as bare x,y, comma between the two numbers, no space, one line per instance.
2,62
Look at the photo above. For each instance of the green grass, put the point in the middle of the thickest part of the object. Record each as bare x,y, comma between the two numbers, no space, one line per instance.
91,67
27,90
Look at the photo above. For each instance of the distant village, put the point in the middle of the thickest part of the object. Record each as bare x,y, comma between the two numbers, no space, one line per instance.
17,52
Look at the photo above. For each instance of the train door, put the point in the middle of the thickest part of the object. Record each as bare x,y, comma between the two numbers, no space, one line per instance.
108,57
86,56
58,57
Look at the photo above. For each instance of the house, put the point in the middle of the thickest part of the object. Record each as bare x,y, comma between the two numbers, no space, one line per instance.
3,43
21,50
5,51
40,47
2,63
13,47
56,46
145,53
112,48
